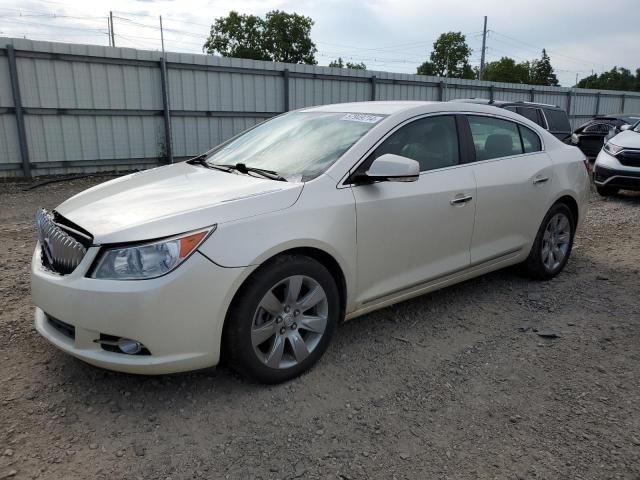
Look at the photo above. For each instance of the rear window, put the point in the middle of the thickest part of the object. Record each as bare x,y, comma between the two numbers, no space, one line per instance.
531,114
558,120
597,128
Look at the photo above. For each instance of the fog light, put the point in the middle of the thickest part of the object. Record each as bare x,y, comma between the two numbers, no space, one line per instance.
128,346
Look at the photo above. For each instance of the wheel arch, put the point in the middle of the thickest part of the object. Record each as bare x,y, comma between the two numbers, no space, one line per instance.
570,202
321,256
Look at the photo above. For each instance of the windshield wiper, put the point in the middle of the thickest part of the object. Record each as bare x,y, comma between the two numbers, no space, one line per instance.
202,160
239,167
242,168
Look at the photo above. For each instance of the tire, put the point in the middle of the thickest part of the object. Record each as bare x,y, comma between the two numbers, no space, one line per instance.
540,265
264,328
607,191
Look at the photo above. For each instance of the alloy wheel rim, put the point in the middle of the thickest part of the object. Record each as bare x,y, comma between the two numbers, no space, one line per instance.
289,322
555,241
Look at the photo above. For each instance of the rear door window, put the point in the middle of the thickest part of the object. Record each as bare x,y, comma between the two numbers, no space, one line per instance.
494,138
530,140
558,120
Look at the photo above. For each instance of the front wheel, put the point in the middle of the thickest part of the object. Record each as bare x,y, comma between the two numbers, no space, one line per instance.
552,246
282,320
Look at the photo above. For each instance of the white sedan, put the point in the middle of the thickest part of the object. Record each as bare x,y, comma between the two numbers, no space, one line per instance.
256,250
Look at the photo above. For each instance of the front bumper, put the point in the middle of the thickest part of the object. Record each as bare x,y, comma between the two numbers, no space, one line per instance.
178,317
609,172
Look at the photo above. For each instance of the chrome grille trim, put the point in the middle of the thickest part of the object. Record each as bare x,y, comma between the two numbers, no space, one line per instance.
60,252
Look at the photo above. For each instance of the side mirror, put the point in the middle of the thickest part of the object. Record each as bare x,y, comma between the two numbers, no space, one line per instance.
624,127
393,168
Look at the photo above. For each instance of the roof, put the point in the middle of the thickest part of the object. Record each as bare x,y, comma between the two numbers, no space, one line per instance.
404,108
382,108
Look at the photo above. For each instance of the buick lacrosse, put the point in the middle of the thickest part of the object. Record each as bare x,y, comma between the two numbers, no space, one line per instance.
254,251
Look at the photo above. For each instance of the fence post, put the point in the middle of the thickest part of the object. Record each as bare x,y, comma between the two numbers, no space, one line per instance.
285,77
532,95
597,104
622,102
441,91
490,93
17,103
167,109
373,88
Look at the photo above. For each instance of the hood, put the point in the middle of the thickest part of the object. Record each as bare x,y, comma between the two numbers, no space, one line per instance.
171,200
627,139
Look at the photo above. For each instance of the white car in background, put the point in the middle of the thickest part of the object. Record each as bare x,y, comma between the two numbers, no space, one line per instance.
256,250
617,166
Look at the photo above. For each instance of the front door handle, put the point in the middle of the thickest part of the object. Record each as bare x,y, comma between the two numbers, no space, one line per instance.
540,179
460,199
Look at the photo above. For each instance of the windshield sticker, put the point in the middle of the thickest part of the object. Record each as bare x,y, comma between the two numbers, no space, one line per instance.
361,117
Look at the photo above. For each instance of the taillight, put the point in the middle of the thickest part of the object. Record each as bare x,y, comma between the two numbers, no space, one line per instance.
587,165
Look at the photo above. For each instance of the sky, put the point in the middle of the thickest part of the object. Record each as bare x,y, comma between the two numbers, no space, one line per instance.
387,35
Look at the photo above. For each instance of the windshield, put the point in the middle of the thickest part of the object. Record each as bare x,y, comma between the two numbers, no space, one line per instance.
636,127
298,145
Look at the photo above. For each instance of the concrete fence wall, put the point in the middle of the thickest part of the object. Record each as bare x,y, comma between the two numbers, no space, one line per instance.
68,108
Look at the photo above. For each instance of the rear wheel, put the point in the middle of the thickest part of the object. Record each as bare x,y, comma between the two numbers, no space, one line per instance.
282,320
552,246
607,191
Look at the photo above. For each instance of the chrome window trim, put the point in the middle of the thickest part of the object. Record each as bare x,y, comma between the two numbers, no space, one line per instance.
356,165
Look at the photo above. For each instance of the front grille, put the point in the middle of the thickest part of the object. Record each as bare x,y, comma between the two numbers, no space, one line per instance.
65,329
624,182
600,174
629,158
60,251
603,173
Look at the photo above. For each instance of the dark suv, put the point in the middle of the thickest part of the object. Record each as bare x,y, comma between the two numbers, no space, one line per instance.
550,117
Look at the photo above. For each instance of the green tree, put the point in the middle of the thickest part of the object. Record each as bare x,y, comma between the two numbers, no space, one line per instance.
618,78
427,68
542,71
239,36
353,66
287,38
507,70
279,37
449,57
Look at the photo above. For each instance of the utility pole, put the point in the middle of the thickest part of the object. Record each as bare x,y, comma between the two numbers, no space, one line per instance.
109,30
113,38
161,35
484,47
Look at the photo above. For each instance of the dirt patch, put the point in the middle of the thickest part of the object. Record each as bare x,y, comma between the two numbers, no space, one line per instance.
456,384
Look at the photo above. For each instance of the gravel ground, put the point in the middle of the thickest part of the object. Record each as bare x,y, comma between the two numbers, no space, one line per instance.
456,384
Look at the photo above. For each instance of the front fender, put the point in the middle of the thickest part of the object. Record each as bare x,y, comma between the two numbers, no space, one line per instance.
323,218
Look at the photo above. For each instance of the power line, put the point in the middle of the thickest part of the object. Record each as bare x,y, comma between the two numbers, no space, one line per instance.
539,49
40,24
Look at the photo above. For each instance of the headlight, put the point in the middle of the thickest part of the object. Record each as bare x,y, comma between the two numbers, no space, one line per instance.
148,260
612,149
574,139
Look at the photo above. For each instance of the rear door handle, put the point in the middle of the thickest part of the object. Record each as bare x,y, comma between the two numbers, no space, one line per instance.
461,199
540,179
